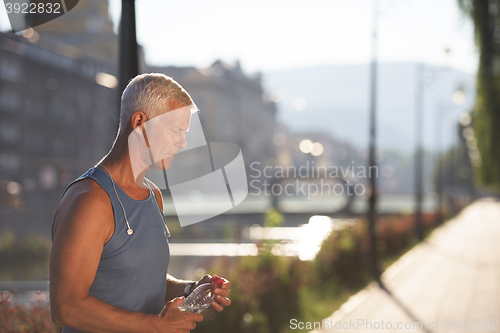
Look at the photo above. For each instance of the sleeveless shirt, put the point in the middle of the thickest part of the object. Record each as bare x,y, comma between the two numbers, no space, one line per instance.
132,269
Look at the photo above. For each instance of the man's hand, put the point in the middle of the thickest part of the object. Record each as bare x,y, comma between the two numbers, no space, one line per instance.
222,293
174,320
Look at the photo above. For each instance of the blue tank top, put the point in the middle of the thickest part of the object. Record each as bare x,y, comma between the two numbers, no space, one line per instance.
132,270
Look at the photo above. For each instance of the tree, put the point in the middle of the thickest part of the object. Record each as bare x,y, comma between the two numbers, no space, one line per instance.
485,14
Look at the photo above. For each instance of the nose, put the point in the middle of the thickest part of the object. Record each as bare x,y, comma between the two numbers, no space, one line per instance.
182,143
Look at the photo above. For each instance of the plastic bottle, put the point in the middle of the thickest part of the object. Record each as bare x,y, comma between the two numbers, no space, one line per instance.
202,297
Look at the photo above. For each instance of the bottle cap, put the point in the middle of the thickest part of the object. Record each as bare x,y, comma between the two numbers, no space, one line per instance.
218,282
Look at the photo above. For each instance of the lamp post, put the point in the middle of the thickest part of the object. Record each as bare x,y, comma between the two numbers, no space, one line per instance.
372,211
420,84
439,164
419,156
458,100
129,64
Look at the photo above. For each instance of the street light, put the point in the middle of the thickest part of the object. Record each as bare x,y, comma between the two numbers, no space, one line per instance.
419,151
372,212
129,64
458,99
419,157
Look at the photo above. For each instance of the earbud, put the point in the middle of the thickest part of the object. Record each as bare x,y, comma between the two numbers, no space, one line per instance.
130,231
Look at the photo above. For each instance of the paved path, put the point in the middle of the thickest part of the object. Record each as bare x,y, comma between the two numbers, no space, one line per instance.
451,280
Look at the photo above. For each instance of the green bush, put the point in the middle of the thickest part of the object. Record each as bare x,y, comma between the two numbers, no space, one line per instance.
24,259
268,291
342,258
264,294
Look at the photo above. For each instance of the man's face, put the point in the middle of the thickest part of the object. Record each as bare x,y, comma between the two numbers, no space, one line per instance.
166,135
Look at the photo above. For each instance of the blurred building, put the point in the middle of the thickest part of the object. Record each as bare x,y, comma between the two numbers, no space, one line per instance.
300,149
314,149
56,121
234,107
59,112
87,27
59,116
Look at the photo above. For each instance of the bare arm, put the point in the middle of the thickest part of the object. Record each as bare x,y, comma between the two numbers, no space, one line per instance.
84,223
175,287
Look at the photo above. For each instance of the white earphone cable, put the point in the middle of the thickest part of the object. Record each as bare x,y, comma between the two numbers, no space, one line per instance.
129,230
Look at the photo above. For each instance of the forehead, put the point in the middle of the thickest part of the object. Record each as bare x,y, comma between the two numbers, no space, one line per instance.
178,117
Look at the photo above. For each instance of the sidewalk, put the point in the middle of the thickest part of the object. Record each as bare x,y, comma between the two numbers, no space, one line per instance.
453,275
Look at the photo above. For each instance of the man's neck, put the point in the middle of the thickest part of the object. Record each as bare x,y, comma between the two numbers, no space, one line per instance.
117,162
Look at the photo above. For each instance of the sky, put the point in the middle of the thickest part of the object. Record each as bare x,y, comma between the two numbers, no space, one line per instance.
277,35
280,35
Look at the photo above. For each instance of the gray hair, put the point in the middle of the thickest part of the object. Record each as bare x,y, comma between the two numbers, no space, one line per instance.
151,93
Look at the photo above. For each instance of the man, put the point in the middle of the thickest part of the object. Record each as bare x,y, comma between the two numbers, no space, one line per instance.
110,251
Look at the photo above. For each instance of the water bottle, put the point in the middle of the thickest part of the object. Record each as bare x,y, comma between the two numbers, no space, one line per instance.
202,297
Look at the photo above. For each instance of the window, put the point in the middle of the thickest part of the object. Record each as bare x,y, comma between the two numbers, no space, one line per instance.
9,161
58,145
56,109
9,101
70,114
84,102
10,70
9,132
34,107
33,140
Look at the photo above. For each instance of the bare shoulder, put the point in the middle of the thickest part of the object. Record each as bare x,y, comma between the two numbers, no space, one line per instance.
85,205
83,224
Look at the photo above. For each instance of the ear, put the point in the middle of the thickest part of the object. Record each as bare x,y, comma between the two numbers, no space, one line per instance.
138,119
